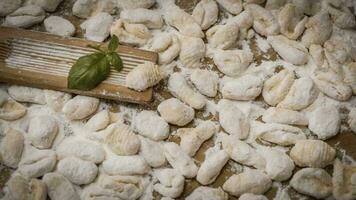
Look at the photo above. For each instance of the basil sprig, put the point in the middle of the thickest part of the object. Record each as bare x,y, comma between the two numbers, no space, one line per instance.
90,70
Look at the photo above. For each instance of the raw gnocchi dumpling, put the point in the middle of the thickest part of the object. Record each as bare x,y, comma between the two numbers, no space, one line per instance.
232,6
122,140
250,196
59,187
21,188
223,36
132,4
192,138
277,87
97,27
210,169
251,181
314,182
149,124
325,122
246,87
265,23
337,54
284,116
179,87
206,13
340,14
10,109
143,76
125,165
99,121
175,112
11,148
312,153
233,62
192,51
167,46
232,120
343,181
318,55
302,93
88,8
152,152
291,21
180,160
77,171
352,119
80,107
42,131
290,50
27,94
130,34
205,81
149,18
56,99
170,182
208,193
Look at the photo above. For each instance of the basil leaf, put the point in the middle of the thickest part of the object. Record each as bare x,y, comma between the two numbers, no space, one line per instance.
89,71
114,43
115,61
96,47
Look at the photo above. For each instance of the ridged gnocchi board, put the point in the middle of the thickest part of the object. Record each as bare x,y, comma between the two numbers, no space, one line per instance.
42,60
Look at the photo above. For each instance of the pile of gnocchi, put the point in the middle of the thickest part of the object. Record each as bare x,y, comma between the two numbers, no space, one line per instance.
267,120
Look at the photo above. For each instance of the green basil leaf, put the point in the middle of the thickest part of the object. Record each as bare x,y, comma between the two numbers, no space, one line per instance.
89,71
115,61
96,47
114,43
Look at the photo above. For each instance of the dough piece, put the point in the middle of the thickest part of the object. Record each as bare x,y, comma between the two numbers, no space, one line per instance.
80,107
179,19
244,22
132,4
206,13
170,182
152,152
232,6
88,8
319,29
242,152
343,181
280,134
325,122
180,160
291,21
81,148
232,120
97,27
175,112
9,109
251,181
246,87
210,169
42,131
149,124
49,6
337,53
265,23
317,53
122,140
130,34
205,81
20,188
250,196
192,51
277,87
179,87
290,50
167,46
59,26
312,153
352,119
151,19
233,62
126,165
99,121
275,4
340,14
56,99
143,76
25,17
223,36
11,147
207,193
77,171
27,94
284,116
314,182
302,93
59,188
9,6
332,85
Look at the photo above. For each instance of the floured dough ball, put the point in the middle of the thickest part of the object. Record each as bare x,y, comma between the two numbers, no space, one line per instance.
244,22
284,116
344,181
152,152
232,6
27,94
149,124
291,21
47,5
264,23
11,148
208,193
352,119
9,109
312,153
59,26
77,171
314,182
250,196
80,107
275,4
20,188
170,182
337,53
9,6
130,34
251,181
325,122
223,36
192,51
42,131
99,121
150,18
340,14
233,62
56,99
210,169
277,87
132,4
175,112
245,88
205,81
143,76
167,46
350,75
232,120
180,160
97,28
25,17
88,8
206,13
122,140
59,188
126,165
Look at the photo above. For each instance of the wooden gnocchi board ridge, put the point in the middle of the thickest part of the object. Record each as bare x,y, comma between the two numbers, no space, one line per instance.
43,60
